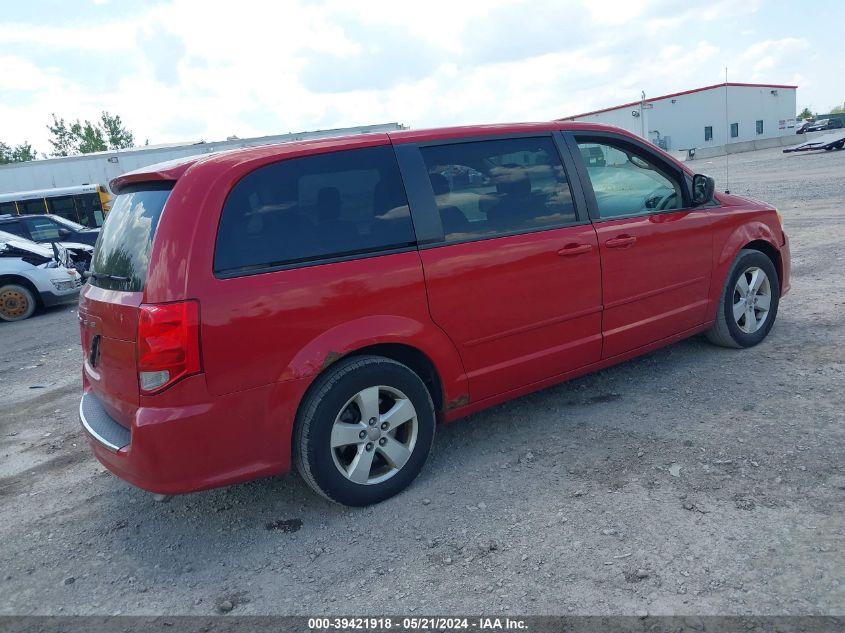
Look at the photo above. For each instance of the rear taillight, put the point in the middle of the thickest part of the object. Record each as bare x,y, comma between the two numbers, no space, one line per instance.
168,344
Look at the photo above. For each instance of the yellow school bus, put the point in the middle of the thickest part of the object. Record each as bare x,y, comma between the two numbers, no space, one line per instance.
84,204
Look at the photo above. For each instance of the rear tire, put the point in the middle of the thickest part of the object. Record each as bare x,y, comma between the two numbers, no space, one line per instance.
749,302
16,302
364,430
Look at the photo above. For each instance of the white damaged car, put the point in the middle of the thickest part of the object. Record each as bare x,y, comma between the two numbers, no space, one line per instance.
34,275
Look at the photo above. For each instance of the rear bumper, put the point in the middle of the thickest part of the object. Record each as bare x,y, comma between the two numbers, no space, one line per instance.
102,428
210,442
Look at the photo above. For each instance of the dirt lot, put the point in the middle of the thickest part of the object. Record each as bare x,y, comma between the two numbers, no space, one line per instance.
694,480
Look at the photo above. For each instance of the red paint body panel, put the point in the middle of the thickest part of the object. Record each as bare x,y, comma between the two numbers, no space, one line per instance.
486,297
497,318
113,316
658,285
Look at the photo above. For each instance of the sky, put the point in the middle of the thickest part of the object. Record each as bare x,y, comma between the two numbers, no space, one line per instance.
184,70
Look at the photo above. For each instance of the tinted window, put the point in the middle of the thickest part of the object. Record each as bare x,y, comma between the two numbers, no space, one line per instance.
15,227
734,130
487,188
8,207
123,247
88,210
708,132
628,183
313,208
42,229
64,207
32,206
759,126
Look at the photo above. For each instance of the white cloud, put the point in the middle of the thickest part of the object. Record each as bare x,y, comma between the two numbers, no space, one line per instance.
186,70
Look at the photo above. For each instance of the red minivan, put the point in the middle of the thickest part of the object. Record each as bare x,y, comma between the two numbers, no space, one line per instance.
326,303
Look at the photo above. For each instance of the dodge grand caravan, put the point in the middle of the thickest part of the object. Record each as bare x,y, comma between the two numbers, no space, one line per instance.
326,303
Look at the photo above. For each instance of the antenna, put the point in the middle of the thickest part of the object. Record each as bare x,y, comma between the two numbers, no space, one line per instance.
727,139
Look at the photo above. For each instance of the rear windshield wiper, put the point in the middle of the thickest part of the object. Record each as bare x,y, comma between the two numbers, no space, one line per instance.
88,273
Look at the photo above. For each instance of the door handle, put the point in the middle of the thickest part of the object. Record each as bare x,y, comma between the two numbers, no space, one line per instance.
623,241
575,249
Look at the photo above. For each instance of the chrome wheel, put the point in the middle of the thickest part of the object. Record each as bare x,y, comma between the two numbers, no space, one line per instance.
374,435
752,299
13,303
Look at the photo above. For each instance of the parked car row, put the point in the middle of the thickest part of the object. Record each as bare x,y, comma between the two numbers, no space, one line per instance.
324,303
47,229
818,126
33,275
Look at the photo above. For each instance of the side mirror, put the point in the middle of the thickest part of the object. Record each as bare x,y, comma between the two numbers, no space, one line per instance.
702,189
64,232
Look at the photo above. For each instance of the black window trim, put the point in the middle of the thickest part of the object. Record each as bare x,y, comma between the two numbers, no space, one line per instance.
573,138
309,262
260,269
424,211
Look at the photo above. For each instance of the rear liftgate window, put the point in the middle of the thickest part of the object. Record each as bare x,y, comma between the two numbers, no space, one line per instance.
122,254
314,209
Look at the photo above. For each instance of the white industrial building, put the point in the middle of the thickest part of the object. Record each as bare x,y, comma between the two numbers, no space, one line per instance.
101,167
712,120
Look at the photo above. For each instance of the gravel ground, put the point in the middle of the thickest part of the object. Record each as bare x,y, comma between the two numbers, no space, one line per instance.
693,480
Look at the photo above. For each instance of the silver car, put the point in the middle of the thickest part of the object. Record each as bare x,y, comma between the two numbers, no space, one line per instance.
34,275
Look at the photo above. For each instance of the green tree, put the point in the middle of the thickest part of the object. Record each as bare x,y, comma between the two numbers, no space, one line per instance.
63,141
18,154
117,135
89,137
840,109
75,137
806,113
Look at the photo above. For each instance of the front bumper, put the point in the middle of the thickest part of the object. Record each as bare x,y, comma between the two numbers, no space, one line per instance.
50,298
785,265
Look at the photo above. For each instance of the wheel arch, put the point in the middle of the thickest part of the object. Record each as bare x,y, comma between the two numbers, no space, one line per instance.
421,346
416,360
771,252
756,235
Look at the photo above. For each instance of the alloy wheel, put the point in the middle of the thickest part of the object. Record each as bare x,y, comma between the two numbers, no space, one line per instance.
752,299
374,435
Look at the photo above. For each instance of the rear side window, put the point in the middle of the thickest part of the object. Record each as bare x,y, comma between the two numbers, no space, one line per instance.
490,188
122,254
314,208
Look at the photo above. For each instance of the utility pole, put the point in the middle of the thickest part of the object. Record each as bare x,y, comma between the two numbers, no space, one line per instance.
644,107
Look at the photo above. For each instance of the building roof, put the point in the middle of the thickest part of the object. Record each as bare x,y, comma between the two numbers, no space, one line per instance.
676,94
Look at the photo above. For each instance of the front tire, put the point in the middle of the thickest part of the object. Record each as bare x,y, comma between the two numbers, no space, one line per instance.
364,430
749,302
16,302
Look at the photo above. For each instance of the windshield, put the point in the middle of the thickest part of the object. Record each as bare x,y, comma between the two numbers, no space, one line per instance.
68,223
122,253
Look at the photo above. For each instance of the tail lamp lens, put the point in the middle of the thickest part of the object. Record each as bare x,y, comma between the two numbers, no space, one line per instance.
168,344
